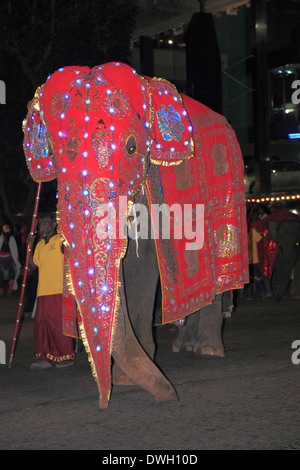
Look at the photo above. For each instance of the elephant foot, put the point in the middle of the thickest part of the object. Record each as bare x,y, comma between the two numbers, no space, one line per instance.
168,394
123,379
209,351
178,347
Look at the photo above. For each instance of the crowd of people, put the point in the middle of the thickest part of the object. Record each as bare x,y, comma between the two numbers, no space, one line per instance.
259,241
12,249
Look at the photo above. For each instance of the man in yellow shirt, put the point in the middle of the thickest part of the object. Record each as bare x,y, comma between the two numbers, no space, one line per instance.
256,285
51,345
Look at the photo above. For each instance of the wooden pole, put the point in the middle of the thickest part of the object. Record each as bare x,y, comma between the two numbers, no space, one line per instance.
29,248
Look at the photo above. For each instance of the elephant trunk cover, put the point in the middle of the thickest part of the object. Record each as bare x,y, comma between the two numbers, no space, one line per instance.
96,292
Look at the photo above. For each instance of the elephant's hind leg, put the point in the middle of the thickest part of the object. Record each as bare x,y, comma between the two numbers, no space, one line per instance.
210,329
187,335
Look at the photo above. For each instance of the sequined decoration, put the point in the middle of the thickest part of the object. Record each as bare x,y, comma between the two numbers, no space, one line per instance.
102,141
227,240
169,123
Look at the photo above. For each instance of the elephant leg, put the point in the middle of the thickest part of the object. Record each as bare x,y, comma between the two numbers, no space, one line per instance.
141,276
133,360
187,335
210,329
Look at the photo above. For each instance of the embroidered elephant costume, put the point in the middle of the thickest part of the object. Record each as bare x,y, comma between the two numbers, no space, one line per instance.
106,133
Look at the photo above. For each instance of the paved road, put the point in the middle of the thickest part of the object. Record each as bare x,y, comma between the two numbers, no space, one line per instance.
248,400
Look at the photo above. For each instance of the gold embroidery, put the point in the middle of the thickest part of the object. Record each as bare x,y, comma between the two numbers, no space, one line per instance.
192,260
184,177
220,165
227,241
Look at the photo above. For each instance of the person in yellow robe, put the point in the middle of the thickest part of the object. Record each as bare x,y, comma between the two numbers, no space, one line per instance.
51,345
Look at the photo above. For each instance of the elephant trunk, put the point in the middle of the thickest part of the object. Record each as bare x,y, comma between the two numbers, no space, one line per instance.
133,360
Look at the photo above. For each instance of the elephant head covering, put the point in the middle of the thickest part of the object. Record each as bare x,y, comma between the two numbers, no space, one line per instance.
98,131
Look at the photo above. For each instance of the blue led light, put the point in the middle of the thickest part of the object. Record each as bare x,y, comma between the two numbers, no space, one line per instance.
295,135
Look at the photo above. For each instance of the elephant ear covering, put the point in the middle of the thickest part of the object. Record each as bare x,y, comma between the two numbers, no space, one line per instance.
97,123
35,144
171,130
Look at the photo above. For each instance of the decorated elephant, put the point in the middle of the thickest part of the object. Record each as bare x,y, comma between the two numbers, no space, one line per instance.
109,135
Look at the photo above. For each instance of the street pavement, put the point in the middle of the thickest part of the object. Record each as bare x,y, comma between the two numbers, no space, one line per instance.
249,400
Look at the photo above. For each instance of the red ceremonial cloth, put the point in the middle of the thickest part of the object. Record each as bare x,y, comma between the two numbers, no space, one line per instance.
213,178
49,341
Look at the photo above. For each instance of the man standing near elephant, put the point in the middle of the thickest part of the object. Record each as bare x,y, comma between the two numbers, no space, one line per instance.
51,345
